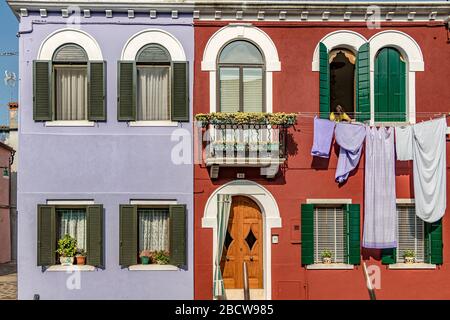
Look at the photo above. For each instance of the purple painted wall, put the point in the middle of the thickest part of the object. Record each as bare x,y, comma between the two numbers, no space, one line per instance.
110,163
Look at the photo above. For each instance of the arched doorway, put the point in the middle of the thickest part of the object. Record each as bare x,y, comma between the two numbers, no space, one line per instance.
243,243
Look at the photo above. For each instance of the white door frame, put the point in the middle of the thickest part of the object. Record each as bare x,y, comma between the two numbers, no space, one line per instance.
271,219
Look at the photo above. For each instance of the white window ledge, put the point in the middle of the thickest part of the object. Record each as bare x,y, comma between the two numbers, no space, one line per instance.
70,123
153,267
405,266
60,268
330,266
153,124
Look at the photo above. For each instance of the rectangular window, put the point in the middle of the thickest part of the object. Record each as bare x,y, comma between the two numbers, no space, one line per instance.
72,221
329,233
153,229
229,89
71,92
411,233
253,89
153,93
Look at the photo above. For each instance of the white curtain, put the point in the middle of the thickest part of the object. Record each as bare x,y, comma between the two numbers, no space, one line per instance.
71,93
153,229
153,93
73,223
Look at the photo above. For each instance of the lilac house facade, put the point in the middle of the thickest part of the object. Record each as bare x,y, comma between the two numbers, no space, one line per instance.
105,111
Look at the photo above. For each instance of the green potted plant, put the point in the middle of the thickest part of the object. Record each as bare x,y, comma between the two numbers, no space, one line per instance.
326,256
161,257
80,257
67,247
409,256
145,256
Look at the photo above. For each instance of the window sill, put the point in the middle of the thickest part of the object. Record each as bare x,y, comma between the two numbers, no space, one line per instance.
153,123
60,268
332,266
69,123
153,267
417,266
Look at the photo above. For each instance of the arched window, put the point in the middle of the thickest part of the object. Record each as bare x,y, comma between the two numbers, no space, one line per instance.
241,78
70,82
342,80
390,85
153,83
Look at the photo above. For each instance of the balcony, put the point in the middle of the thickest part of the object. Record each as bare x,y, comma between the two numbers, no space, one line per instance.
245,140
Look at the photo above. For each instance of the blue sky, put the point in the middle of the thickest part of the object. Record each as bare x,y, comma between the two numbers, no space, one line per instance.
8,42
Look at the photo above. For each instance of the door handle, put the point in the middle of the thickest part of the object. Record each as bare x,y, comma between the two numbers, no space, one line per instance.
251,258
228,258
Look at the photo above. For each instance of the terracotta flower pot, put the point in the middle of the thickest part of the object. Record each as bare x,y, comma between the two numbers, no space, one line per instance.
81,260
66,261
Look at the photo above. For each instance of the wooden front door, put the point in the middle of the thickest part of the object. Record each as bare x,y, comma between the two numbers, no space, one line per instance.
243,242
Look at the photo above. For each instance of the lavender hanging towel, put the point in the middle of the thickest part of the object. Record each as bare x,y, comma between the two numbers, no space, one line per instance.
323,135
429,165
380,213
350,138
403,143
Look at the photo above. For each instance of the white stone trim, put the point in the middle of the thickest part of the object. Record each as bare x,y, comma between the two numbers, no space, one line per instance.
153,267
161,37
70,269
329,201
69,35
153,202
331,266
412,53
338,39
70,202
269,211
405,201
409,266
239,32
153,123
70,123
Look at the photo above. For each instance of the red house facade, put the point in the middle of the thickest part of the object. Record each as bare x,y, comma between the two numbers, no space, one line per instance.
306,59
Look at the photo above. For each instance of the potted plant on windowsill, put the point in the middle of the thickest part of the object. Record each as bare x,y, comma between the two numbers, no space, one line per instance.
161,257
146,256
67,247
80,257
326,256
409,256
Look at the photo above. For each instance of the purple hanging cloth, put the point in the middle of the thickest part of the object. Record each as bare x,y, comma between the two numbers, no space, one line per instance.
323,136
350,138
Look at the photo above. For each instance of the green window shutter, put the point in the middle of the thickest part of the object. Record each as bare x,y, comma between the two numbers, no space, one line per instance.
128,235
433,236
324,82
46,245
363,83
352,212
180,91
42,99
97,90
390,86
389,256
126,110
95,235
178,235
307,219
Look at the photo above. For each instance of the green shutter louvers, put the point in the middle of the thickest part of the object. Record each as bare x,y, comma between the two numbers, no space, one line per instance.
389,256
324,82
180,91
97,90
352,212
363,83
307,228
42,98
128,235
46,245
433,233
178,235
94,235
126,91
